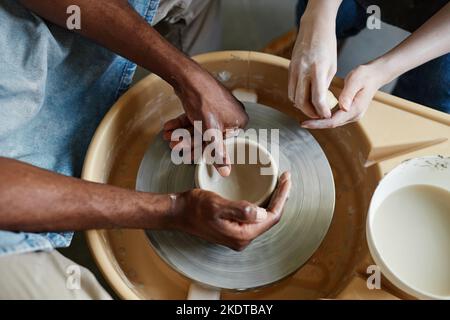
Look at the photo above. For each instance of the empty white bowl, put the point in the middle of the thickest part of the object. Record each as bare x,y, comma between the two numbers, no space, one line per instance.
253,176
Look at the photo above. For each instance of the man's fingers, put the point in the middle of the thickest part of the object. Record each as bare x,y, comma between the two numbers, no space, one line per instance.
274,210
167,135
231,132
245,221
247,212
182,121
242,211
223,164
182,143
281,194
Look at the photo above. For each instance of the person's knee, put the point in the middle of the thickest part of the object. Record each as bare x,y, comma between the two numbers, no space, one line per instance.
47,275
351,19
427,84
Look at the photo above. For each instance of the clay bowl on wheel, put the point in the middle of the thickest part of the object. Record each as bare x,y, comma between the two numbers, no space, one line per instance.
253,174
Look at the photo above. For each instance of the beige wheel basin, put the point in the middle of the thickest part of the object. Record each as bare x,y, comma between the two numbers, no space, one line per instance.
359,154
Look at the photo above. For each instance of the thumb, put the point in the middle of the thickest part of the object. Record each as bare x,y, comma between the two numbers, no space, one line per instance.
351,88
242,211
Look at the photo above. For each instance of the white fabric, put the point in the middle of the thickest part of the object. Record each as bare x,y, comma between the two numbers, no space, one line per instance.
47,275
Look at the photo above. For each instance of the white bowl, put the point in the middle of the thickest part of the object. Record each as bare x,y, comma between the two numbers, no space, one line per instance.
408,227
253,181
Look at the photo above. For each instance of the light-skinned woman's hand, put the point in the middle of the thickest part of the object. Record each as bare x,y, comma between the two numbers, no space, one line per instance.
360,86
314,59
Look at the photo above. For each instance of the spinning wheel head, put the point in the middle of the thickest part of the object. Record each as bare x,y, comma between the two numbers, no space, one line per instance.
275,254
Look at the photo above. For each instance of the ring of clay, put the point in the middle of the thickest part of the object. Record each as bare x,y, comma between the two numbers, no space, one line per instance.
253,174
277,253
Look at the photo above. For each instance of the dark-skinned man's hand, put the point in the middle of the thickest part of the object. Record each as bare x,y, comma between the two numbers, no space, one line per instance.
231,223
205,99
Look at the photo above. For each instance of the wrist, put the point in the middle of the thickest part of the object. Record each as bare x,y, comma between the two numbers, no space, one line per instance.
323,10
193,86
183,77
147,211
384,69
178,206
318,23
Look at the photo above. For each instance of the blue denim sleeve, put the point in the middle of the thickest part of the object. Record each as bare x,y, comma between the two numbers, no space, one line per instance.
55,88
21,242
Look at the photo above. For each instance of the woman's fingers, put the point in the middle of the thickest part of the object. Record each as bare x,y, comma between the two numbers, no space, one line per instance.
319,91
302,96
302,91
339,118
352,85
310,92
292,82
358,107
361,102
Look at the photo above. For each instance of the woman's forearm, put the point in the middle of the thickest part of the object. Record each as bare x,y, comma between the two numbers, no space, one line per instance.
317,25
430,41
33,199
322,9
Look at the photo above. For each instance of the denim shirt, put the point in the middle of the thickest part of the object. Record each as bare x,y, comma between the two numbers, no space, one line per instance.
55,87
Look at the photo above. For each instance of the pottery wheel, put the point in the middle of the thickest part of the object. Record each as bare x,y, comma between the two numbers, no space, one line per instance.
275,254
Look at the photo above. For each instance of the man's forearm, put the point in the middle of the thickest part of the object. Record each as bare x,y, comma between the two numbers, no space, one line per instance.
115,25
430,41
32,199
